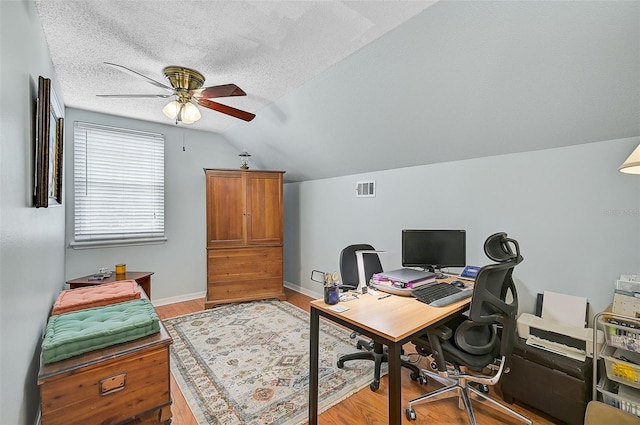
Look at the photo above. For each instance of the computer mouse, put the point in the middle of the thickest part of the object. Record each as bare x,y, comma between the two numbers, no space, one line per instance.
458,284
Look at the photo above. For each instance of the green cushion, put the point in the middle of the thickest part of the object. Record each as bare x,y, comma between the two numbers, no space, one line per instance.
78,332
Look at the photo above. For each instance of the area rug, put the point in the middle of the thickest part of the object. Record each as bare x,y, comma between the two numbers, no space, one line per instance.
248,363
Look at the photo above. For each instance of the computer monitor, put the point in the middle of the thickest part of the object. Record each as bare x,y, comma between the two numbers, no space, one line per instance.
434,250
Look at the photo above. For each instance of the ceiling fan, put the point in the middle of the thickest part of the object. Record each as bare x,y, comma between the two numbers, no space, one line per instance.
186,86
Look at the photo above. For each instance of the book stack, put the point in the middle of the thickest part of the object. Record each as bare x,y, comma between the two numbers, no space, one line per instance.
404,278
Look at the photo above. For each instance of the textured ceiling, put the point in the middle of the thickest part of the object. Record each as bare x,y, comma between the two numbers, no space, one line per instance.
349,87
268,48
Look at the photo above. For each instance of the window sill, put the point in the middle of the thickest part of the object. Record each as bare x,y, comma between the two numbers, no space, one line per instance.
116,243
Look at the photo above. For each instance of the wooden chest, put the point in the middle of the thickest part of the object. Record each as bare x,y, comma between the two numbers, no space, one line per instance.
115,385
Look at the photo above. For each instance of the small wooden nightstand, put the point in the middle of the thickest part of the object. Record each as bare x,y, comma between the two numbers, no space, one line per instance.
143,279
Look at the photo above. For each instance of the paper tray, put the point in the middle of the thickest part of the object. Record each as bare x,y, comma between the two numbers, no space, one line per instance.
403,292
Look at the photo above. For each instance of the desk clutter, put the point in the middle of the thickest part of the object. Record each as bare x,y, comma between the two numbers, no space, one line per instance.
401,281
97,358
626,296
620,385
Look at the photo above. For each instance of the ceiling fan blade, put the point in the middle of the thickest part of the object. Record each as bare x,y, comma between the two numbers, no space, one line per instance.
137,74
135,95
224,90
237,113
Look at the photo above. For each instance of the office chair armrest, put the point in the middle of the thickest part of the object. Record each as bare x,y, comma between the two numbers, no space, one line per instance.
443,332
437,334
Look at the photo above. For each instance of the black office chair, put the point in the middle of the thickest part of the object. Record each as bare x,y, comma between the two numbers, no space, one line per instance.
482,341
350,278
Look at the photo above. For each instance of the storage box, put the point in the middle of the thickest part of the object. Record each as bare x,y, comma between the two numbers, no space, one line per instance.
621,333
618,369
113,385
619,397
555,384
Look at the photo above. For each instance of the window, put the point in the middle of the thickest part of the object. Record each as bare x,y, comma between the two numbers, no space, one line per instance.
118,186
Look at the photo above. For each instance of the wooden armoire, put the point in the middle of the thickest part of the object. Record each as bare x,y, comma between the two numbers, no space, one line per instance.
244,235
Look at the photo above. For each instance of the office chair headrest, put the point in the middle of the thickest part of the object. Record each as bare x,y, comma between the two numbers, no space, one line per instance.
499,248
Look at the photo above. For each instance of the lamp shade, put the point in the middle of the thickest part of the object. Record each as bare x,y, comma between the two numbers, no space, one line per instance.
171,109
190,113
186,112
632,164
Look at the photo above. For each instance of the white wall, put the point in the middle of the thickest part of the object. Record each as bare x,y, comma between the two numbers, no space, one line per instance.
180,263
32,240
575,216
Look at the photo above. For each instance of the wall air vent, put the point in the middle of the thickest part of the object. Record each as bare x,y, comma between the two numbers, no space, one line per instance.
366,189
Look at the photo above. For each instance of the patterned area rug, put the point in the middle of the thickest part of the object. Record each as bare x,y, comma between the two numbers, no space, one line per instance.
248,363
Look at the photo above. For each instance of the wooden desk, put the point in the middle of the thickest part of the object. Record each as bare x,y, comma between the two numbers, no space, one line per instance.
392,321
143,279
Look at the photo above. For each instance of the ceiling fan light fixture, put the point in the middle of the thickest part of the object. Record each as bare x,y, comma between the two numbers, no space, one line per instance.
190,113
186,112
186,86
171,109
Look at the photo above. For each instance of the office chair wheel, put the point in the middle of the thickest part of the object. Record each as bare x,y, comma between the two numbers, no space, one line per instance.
359,346
410,413
418,377
373,386
340,364
483,388
423,380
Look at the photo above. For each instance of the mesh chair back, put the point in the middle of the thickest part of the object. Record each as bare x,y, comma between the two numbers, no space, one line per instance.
489,302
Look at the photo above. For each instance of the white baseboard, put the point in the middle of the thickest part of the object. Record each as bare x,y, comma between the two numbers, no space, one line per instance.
304,291
179,298
196,295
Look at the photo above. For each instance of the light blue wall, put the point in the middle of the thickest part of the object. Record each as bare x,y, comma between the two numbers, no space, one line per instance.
576,217
31,240
180,263
461,80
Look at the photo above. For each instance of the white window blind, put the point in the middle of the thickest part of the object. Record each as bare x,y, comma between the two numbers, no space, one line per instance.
118,185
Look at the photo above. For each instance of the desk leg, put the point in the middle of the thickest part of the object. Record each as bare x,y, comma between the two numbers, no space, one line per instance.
395,384
313,367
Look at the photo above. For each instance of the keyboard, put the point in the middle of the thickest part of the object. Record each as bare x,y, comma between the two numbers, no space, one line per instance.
440,294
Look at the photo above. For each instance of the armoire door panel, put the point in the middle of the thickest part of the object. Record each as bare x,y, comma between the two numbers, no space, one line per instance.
264,203
225,210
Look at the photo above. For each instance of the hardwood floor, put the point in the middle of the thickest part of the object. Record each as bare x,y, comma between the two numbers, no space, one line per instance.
366,407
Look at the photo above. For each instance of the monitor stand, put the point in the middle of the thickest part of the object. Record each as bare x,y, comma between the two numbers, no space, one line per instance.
437,271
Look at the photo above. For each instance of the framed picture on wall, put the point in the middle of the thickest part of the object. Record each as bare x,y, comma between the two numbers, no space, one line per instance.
49,135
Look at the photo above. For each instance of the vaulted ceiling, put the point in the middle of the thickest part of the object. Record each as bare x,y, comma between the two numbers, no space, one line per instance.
345,87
